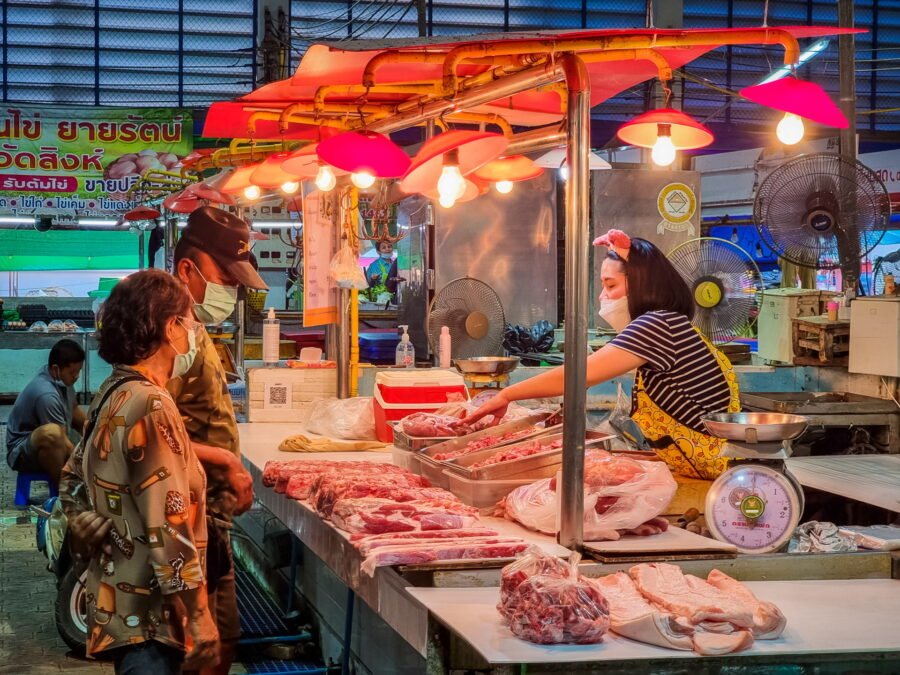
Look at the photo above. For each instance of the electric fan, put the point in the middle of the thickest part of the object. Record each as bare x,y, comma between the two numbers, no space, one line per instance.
889,264
472,311
725,283
822,211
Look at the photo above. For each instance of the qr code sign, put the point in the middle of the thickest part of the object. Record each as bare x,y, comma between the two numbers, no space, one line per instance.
278,396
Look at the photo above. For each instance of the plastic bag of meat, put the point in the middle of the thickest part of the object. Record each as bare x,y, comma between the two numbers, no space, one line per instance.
533,562
548,609
620,494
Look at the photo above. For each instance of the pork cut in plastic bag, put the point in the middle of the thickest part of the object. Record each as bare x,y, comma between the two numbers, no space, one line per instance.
351,419
533,562
551,609
620,494
345,271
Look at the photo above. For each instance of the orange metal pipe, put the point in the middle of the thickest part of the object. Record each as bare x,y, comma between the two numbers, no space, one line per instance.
394,56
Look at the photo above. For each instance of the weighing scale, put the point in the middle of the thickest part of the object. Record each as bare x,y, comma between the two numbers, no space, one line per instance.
756,505
486,372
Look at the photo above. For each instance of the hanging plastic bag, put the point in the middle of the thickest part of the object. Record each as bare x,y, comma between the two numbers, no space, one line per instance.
345,271
548,609
351,419
626,428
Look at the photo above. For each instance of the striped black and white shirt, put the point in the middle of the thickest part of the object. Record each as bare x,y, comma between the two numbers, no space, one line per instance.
681,375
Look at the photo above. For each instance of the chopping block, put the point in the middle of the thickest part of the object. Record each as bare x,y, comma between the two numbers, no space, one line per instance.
691,493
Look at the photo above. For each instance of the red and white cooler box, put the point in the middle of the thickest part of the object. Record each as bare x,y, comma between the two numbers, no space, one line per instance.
404,392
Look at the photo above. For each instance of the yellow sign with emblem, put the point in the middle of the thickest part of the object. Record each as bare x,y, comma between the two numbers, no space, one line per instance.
677,204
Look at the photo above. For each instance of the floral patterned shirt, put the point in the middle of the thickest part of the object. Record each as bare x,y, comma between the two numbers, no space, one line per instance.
138,469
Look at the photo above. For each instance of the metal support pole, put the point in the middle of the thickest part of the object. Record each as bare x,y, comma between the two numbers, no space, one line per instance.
142,250
239,331
422,18
578,121
343,346
848,248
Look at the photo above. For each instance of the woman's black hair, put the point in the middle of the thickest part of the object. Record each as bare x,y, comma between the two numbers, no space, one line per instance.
653,282
133,319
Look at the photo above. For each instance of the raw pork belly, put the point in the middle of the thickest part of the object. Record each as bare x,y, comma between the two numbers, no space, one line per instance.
373,515
330,487
361,538
418,552
768,621
632,616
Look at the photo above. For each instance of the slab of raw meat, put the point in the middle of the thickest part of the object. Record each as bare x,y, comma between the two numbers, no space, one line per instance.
550,610
375,516
667,586
534,562
651,527
331,487
518,452
462,549
718,644
632,616
768,620
297,480
483,443
362,538
430,425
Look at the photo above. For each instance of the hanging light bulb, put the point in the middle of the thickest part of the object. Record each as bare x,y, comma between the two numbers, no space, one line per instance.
790,129
451,185
447,201
362,179
252,192
564,172
663,153
504,187
325,179
290,187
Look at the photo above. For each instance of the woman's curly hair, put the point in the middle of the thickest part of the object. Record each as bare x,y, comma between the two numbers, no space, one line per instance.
133,318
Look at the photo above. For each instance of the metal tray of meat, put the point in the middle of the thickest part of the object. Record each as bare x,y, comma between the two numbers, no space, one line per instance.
416,443
459,443
539,465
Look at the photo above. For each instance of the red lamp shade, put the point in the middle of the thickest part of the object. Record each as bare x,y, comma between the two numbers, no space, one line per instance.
141,213
304,163
474,149
802,98
271,172
238,179
183,202
357,151
210,194
515,168
686,132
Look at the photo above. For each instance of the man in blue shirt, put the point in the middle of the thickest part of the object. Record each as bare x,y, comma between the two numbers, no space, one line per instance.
46,418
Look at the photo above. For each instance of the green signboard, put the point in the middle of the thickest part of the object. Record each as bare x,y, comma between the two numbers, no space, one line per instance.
28,250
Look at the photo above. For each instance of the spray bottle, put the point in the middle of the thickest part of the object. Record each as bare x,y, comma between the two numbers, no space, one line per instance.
271,339
406,353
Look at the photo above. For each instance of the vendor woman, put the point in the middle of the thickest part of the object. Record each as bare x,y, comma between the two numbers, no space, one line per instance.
681,377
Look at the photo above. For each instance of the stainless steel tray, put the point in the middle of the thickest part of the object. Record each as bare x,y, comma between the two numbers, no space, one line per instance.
817,403
461,442
540,465
415,443
751,427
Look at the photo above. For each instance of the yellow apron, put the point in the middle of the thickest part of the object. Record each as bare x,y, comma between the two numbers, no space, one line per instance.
690,453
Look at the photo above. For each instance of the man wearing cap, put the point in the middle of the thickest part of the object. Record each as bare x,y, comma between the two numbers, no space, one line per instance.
212,258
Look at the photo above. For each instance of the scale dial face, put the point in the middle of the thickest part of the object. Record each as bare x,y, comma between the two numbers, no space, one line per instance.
753,507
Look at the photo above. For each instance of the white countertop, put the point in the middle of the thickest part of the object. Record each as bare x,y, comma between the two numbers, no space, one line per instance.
823,617
872,479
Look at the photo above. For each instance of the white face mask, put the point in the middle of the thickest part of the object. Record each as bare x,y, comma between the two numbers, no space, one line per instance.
183,362
615,313
218,302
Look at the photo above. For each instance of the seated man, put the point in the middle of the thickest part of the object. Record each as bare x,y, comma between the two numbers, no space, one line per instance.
46,419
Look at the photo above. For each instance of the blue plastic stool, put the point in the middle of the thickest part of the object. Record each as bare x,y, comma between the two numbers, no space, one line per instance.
23,487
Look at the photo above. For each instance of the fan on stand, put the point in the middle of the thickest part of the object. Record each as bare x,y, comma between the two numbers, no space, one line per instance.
725,283
472,311
889,264
823,211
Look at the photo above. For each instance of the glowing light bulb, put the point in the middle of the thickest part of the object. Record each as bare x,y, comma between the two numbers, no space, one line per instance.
564,172
362,179
325,179
790,129
252,192
663,152
447,201
451,183
290,187
504,187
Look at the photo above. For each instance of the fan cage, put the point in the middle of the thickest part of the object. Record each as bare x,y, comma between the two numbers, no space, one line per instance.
450,307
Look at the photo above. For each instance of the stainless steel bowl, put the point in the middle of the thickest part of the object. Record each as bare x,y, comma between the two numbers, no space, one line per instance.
487,365
756,427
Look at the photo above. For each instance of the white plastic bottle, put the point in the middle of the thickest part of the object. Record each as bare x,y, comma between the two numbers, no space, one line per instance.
271,338
406,353
444,348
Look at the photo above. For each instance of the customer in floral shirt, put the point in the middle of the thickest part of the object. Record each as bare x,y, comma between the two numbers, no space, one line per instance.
146,595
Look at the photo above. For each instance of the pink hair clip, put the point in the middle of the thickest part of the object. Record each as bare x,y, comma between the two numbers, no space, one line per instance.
617,241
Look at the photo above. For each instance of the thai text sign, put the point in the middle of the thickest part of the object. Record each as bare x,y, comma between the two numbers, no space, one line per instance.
83,162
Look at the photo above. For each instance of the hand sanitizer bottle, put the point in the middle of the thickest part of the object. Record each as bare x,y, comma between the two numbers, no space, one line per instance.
271,339
444,348
406,353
